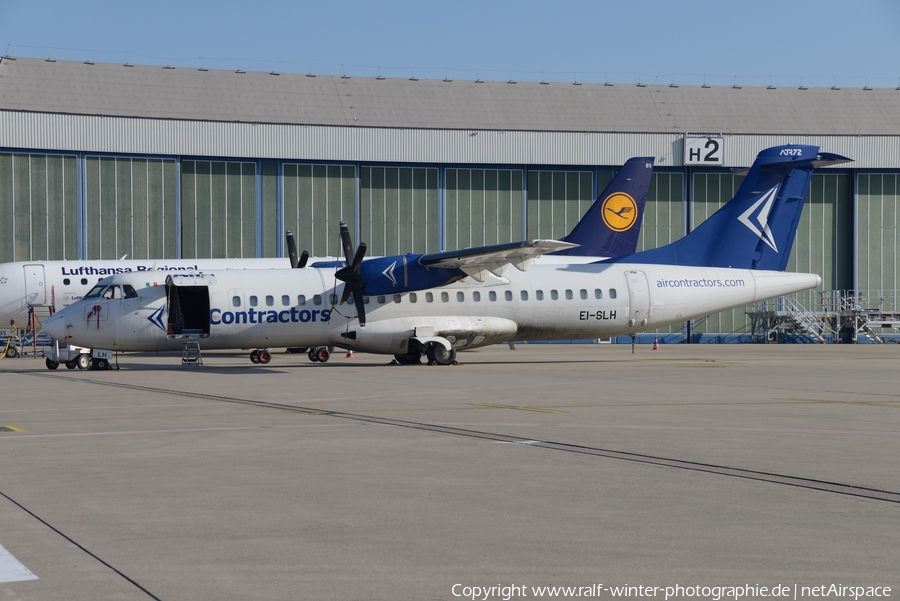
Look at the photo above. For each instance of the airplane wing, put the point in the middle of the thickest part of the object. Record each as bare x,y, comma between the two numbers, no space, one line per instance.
478,261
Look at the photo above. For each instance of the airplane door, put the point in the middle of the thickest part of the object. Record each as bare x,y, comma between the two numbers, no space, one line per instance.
638,298
35,289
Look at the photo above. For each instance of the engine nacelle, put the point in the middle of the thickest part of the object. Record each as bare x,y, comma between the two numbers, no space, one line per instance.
392,336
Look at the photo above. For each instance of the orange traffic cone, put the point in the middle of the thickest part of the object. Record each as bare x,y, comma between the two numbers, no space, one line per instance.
655,343
350,354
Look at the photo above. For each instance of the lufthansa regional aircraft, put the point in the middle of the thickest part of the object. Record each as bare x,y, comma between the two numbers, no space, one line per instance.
609,229
434,304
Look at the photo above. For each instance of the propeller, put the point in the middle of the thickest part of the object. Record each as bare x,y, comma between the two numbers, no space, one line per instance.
292,252
351,275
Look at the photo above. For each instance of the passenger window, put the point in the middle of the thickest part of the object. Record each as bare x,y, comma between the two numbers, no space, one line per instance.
270,300
429,297
365,300
508,295
332,298
413,297
476,296
235,301
460,297
317,299
569,295
301,299
380,300
285,300
612,293
554,295
129,291
66,282
397,298
492,295
84,281
253,301
583,293
598,293
445,298
524,295
539,294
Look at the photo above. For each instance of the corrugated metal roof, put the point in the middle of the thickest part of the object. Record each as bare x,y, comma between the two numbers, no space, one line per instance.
28,84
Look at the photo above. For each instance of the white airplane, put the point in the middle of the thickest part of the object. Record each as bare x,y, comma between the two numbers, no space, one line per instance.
436,303
608,232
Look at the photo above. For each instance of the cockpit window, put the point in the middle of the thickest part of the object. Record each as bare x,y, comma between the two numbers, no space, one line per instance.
113,292
129,291
95,292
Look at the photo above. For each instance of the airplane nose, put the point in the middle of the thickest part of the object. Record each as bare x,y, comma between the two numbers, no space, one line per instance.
55,327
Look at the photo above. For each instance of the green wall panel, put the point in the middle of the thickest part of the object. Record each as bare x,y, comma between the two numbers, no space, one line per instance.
38,207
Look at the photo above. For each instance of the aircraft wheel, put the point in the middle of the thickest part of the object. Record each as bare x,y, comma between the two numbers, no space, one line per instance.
265,356
438,355
323,355
71,365
254,356
313,356
51,364
11,353
100,364
83,361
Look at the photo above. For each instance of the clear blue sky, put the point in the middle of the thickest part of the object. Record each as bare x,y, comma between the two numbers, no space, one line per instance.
719,42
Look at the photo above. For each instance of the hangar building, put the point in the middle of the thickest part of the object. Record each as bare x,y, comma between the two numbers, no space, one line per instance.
105,160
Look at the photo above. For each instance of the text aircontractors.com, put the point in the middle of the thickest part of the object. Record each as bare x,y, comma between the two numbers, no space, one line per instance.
678,591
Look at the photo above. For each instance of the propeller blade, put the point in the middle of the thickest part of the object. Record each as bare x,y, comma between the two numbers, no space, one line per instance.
346,243
304,257
360,305
291,248
348,290
358,257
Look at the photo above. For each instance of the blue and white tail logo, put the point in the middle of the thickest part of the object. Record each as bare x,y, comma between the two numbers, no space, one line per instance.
756,218
156,318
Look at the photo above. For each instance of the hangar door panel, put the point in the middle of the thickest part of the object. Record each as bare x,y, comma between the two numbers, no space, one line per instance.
130,208
316,199
558,199
38,207
483,206
398,209
218,209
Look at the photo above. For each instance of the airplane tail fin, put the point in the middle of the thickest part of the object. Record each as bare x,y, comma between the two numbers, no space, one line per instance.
611,227
756,228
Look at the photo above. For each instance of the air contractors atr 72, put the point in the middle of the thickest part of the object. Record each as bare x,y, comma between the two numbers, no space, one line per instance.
434,304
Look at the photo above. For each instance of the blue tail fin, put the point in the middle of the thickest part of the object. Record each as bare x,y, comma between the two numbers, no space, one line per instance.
756,228
610,228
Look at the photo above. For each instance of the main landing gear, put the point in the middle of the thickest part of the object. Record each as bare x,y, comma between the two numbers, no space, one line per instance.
320,354
260,356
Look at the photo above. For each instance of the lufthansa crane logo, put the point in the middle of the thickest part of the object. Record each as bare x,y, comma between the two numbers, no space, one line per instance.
619,212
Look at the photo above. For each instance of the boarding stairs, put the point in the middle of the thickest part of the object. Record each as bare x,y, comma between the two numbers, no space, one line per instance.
190,353
805,320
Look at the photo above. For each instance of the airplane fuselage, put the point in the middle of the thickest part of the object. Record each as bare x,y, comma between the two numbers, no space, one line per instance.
268,308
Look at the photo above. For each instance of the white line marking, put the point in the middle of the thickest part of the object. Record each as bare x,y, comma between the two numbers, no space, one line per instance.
11,569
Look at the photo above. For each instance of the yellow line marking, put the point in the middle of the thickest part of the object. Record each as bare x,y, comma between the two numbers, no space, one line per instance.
517,407
11,429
